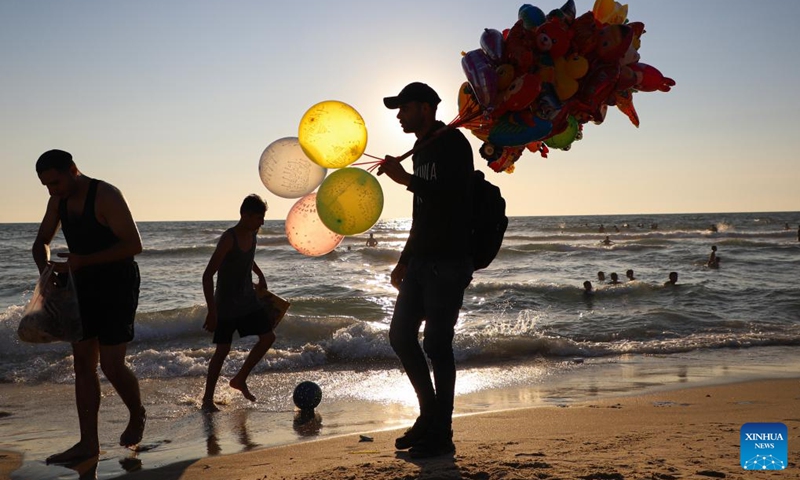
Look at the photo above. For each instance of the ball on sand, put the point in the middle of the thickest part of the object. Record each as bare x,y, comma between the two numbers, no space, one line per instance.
307,395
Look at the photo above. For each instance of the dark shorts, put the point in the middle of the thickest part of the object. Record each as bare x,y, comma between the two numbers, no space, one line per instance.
255,323
108,296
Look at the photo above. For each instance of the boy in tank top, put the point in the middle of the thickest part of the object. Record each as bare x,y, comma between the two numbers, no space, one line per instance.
234,306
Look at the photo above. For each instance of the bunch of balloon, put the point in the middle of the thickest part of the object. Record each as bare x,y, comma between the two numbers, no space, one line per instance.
534,85
349,201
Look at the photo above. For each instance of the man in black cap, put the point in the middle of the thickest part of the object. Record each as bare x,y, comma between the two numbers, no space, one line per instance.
435,266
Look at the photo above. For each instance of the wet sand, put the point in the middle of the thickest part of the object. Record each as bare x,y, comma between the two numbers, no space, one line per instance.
9,461
629,404
687,433
682,433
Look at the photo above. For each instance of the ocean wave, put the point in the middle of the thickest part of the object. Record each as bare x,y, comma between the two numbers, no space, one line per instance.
494,349
565,293
181,251
653,237
170,325
522,250
178,347
204,249
206,227
383,255
18,288
525,249
529,303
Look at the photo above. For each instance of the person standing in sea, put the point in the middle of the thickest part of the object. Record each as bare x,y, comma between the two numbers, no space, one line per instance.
435,266
102,239
713,260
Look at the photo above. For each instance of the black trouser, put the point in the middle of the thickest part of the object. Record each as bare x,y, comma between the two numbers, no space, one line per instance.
432,291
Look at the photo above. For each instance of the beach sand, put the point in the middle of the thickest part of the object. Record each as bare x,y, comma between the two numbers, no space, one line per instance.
674,434
9,461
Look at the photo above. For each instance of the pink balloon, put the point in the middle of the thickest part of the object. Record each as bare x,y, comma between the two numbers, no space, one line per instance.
306,232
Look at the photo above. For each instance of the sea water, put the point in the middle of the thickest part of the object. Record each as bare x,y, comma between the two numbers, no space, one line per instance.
527,334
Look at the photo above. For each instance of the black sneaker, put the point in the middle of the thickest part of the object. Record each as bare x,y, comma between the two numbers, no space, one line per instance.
412,435
434,445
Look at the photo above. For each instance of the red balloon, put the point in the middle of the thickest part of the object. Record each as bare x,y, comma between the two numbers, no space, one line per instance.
613,42
508,157
599,85
624,101
638,28
584,38
521,93
651,78
627,78
559,37
519,48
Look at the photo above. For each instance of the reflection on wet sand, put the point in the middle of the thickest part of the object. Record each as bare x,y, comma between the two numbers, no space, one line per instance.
307,423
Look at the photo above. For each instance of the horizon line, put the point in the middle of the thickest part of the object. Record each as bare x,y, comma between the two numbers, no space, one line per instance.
509,216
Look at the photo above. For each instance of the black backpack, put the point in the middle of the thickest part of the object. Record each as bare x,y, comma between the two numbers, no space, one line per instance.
489,220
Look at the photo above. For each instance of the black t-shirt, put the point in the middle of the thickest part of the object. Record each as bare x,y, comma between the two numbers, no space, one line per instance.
441,225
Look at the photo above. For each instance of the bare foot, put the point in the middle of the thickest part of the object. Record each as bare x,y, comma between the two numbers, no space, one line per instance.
76,453
135,430
209,406
242,387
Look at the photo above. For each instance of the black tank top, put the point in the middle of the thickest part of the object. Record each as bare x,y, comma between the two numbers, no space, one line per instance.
235,295
84,234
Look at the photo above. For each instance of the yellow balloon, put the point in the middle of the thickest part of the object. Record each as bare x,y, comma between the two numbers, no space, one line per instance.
306,232
350,201
332,134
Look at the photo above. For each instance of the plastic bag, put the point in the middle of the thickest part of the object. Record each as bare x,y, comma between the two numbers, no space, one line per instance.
52,315
274,305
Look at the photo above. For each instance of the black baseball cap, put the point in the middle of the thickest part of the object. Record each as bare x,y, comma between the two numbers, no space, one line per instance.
413,92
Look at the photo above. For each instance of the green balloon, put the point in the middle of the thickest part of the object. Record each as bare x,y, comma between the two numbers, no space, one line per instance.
350,201
563,140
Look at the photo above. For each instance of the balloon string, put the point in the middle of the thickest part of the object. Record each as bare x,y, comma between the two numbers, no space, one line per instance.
455,123
372,165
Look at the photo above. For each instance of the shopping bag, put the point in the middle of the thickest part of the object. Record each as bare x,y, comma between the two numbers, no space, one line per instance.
52,315
274,305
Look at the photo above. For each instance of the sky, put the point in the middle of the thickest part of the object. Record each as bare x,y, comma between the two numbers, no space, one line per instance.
173,102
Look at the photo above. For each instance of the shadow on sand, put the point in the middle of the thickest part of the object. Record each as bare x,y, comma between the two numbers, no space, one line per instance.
436,468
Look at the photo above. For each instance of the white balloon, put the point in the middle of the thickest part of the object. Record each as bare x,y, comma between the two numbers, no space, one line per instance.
286,171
